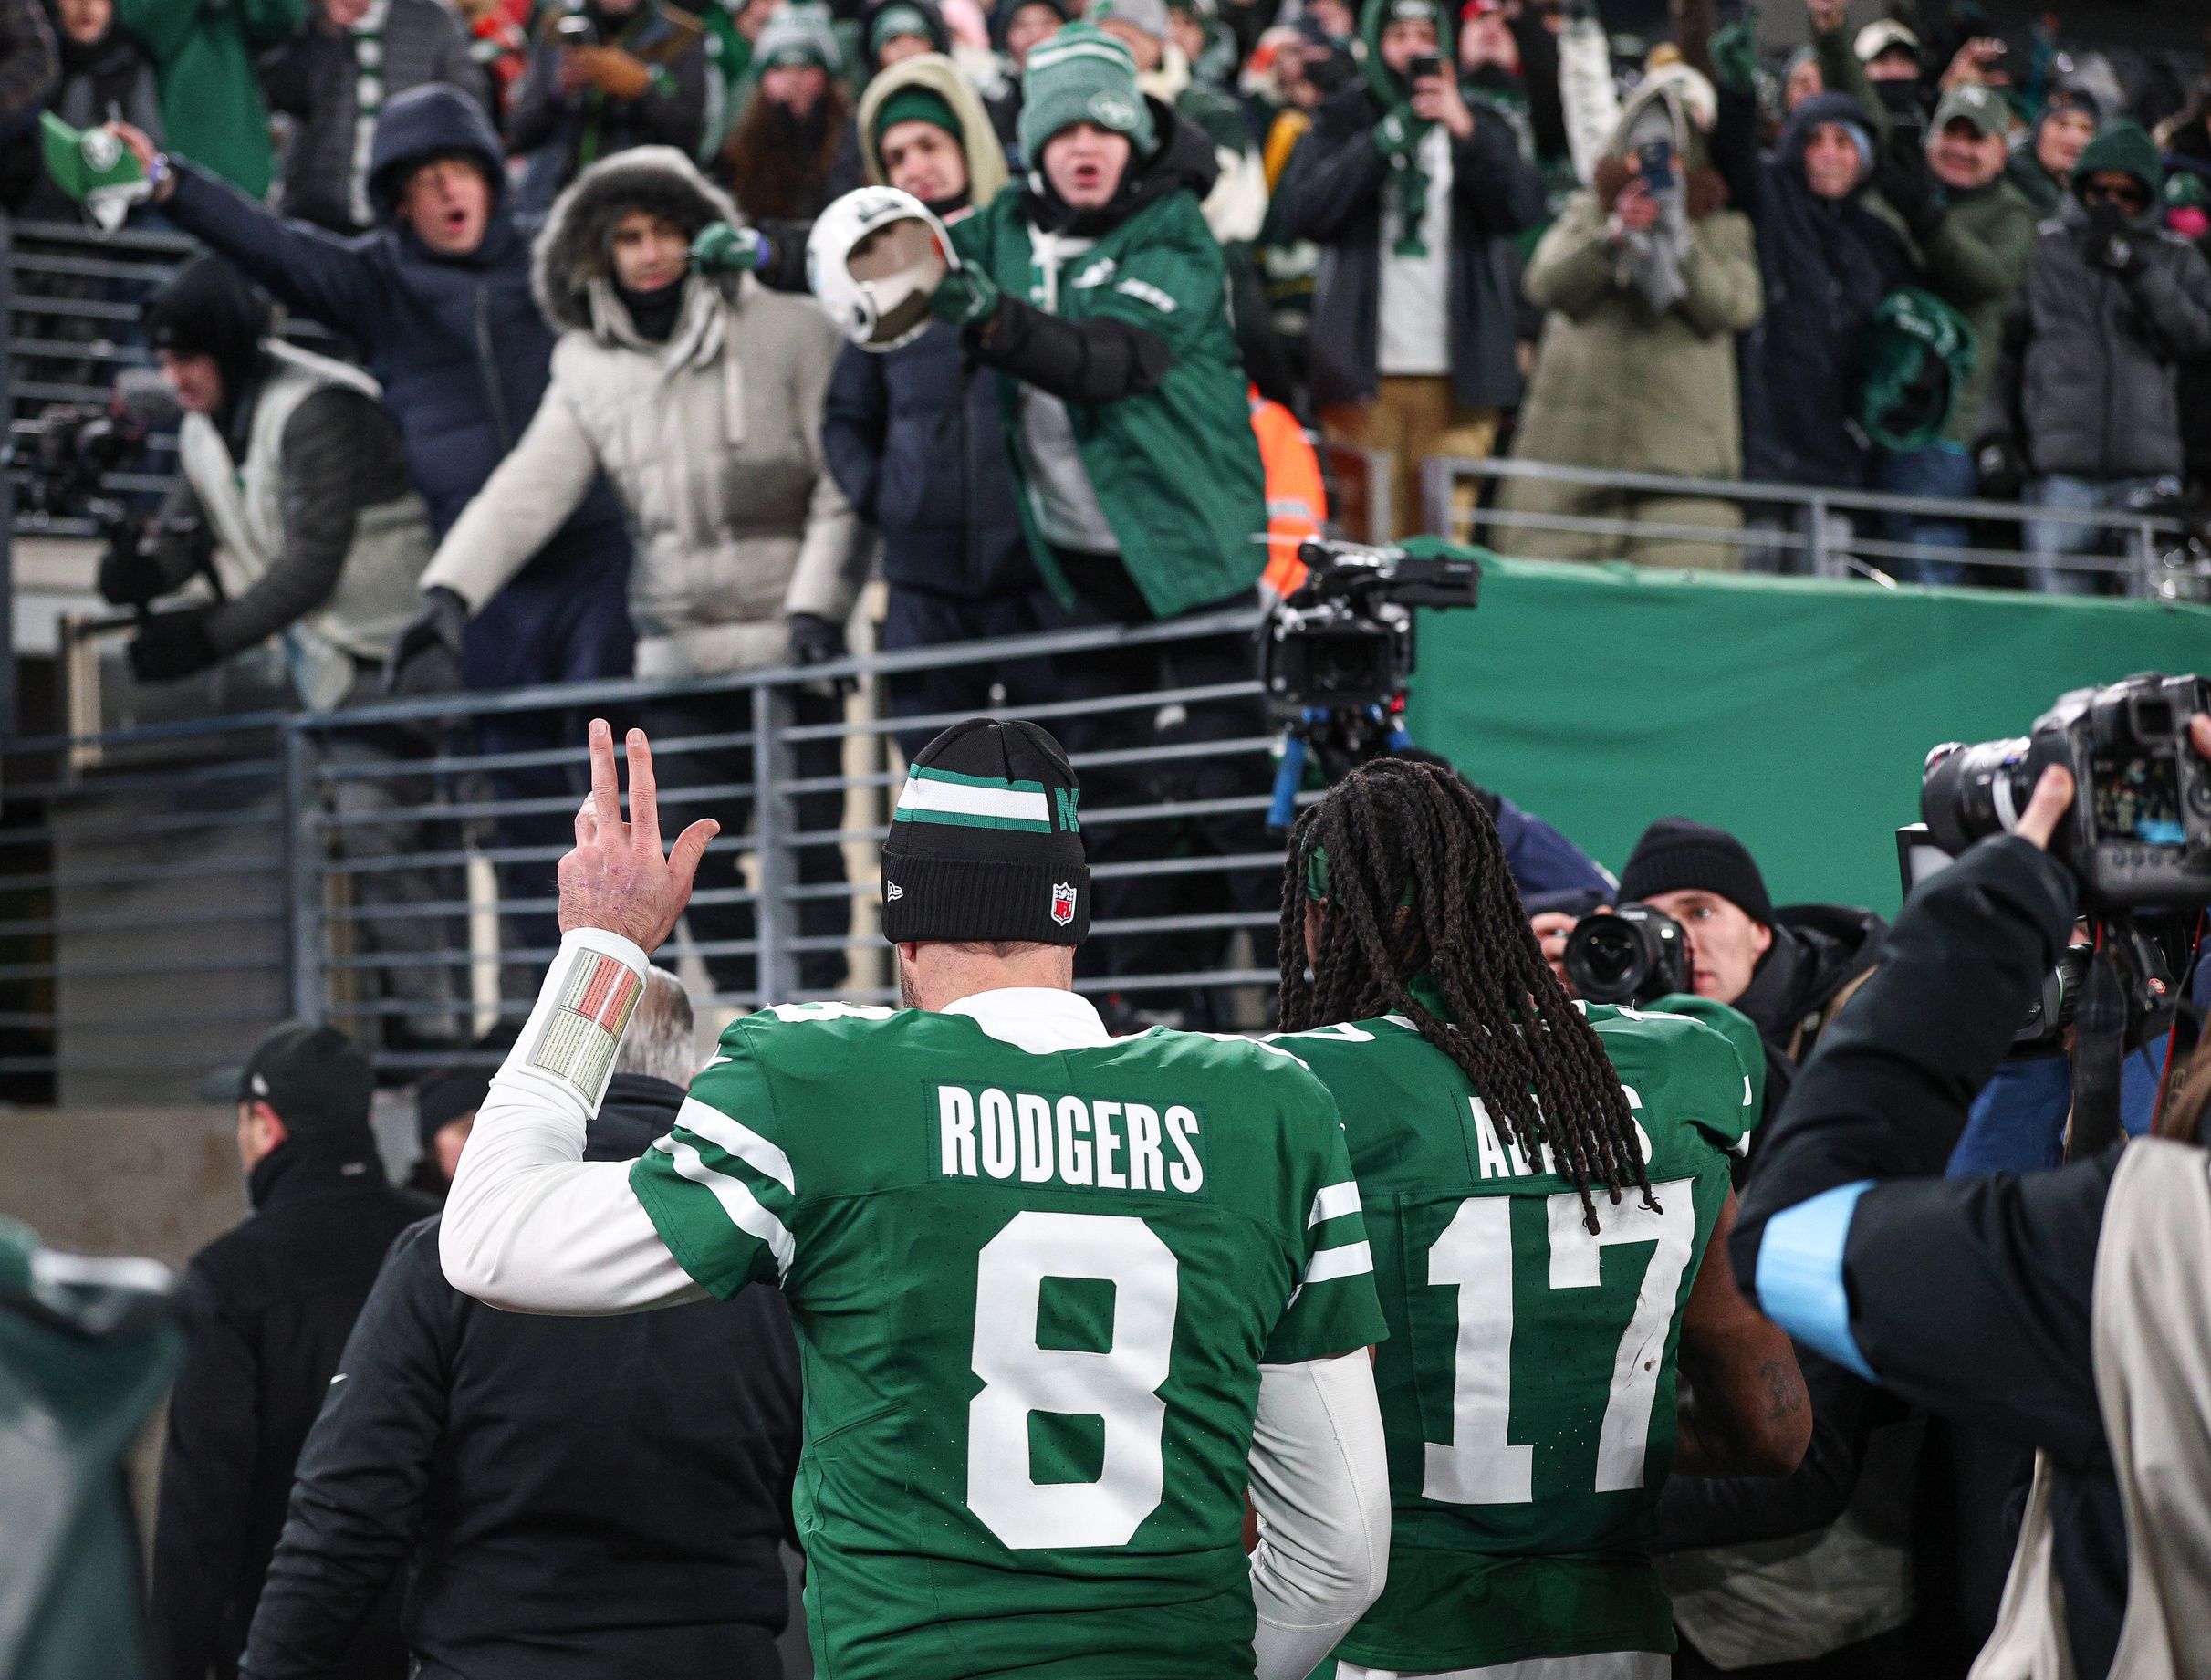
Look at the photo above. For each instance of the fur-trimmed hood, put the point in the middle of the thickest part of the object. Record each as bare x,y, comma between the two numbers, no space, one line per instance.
985,157
571,253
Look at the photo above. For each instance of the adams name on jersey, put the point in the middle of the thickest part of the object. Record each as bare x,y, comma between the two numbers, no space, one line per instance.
1032,1293
1527,1385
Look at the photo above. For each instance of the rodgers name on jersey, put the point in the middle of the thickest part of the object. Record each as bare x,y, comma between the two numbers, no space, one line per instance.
1527,1386
1032,1293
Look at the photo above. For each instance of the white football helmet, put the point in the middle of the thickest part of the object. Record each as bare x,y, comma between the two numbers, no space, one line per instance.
873,260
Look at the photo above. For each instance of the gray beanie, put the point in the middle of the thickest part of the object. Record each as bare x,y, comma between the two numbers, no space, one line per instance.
1082,75
799,33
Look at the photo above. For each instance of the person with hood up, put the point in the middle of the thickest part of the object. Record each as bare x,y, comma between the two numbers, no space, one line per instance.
492,1462
2042,164
332,79
1237,206
1099,294
1648,271
438,301
913,434
794,148
700,398
637,78
1790,968
1414,194
1827,260
2085,404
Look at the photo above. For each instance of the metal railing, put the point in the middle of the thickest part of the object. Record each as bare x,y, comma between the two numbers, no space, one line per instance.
2150,552
167,893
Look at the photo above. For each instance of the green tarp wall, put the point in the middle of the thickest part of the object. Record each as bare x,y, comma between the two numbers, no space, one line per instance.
1794,712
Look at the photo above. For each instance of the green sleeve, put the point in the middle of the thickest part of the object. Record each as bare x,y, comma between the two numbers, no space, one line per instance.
719,1187
1723,1085
1973,259
1174,286
1334,1308
160,27
266,23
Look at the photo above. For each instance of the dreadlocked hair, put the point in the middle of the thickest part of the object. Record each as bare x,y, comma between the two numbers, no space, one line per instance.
1416,881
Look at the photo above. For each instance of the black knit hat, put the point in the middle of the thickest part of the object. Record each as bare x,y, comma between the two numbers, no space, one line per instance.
986,843
208,308
1675,855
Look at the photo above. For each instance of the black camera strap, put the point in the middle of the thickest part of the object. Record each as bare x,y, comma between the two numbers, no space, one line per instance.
2099,1053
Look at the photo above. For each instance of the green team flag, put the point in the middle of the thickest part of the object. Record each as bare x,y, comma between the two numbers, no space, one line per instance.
93,167
1527,1382
1032,1293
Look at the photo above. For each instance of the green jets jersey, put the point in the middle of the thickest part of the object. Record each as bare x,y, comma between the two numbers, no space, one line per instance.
1032,1293
1527,1385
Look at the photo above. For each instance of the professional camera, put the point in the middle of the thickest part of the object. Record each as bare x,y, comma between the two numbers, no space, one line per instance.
73,446
2140,830
1345,637
1629,955
1337,653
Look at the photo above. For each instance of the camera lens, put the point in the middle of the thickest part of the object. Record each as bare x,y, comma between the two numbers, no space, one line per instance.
1971,792
1608,958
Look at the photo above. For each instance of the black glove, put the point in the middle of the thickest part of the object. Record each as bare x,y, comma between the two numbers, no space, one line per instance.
2112,243
172,645
1909,186
2002,469
425,656
129,576
815,641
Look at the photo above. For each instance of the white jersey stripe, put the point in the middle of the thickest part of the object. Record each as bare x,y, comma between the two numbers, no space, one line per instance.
1348,1261
740,1140
1333,1202
741,1206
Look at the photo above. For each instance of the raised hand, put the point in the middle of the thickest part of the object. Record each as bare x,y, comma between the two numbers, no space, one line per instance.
616,878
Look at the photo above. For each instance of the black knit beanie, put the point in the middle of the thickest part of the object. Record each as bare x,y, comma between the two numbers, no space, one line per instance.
1675,855
986,843
209,309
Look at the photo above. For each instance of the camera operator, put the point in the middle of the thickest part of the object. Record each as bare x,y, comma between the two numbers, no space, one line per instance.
2066,1309
1790,968
293,500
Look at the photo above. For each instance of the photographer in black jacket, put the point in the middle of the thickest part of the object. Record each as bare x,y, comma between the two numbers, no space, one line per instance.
565,1499
2068,1311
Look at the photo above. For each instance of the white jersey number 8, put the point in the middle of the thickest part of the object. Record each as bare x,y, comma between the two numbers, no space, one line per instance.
1120,1384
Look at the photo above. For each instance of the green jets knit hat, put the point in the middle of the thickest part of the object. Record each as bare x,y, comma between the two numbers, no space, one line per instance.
986,843
916,103
1082,75
799,33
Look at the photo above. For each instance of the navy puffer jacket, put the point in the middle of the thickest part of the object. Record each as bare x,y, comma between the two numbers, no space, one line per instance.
913,439
456,343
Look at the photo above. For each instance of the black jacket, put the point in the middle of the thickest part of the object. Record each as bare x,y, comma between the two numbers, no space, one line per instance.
566,1498
1826,263
1819,953
268,1307
313,79
2088,382
915,440
1967,1295
1331,193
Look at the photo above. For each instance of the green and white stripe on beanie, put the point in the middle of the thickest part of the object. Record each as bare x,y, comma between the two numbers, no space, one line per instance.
933,795
1082,75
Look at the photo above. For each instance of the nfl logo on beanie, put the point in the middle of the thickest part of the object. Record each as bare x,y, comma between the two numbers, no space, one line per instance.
986,841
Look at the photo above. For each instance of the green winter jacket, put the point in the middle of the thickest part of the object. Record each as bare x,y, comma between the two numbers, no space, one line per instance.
1175,468
203,53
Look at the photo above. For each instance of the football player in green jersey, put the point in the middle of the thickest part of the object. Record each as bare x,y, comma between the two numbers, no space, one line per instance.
1062,1300
1541,1184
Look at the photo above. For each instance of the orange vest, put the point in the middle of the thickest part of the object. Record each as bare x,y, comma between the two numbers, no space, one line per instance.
1297,501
